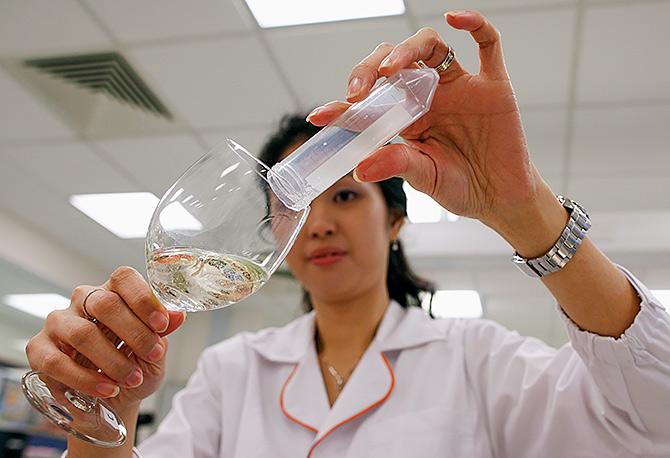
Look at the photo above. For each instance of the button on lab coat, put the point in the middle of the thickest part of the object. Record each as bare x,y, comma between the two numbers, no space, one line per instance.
430,388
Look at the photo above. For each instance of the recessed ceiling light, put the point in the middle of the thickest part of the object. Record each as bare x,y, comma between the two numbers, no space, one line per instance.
36,304
421,208
455,303
274,13
663,295
452,217
127,215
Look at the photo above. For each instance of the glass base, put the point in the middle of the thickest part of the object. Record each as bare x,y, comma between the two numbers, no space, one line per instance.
85,417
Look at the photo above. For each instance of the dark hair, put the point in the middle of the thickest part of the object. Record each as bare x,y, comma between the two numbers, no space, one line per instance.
404,286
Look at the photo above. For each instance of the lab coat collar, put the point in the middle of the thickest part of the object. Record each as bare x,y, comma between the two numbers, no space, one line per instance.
403,328
399,329
287,344
303,398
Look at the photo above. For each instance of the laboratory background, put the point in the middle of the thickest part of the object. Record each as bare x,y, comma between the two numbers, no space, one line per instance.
170,79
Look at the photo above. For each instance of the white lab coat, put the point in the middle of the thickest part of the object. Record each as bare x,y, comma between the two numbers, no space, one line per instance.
430,388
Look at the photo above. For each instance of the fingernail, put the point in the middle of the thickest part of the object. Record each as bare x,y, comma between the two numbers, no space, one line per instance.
458,13
158,321
355,177
355,86
156,353
107,390
135,378
312,113
363,170
386,63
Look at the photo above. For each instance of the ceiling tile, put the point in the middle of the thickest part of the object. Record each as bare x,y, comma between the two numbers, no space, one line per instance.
529,315
215,83
69,168
26,195
317,59
622,53
156,162
431,7
538,51
23,117
252,138
621,141
621,193
15,278
160,19
658,278
545,133
34,27
507,282
555,182
447,279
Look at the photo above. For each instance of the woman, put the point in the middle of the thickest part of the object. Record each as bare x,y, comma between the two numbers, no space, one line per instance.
364,375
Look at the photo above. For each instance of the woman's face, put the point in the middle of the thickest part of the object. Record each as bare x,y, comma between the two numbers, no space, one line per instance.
342,251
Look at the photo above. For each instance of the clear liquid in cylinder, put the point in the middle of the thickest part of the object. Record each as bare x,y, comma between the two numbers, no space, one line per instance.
194,280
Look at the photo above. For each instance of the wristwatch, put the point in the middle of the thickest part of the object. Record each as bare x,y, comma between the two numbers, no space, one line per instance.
566,246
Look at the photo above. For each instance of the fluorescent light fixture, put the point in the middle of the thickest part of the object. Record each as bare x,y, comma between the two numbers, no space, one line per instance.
128,214
452,217
455,303
663,295
125,214
36,304
176,217
421,208
275,13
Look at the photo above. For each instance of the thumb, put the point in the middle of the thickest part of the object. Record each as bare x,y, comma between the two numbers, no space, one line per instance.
176,320
401,160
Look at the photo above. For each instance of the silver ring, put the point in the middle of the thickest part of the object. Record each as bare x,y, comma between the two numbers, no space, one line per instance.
444,65
87,315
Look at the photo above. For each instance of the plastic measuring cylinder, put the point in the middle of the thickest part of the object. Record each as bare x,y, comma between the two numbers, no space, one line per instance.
366,125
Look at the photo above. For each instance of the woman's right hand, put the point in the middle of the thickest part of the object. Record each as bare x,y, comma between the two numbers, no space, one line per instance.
125,309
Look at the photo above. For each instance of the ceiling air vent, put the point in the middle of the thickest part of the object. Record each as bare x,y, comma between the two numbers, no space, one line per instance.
107,73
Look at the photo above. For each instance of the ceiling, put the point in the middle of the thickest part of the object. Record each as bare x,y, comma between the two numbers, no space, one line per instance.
591,78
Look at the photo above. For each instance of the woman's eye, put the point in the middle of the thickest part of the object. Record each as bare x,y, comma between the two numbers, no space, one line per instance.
345,196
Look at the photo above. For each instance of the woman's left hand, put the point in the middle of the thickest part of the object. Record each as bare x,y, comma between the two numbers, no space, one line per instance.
469,151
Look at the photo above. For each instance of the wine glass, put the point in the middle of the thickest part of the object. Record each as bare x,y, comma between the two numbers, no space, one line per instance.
215,238
218,233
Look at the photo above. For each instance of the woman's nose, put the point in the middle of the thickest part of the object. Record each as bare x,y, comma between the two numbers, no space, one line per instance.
319,224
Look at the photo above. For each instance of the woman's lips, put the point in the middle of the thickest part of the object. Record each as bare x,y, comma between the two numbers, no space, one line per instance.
327,256
327,259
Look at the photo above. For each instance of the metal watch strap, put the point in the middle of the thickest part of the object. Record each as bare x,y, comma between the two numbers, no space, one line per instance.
563,250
